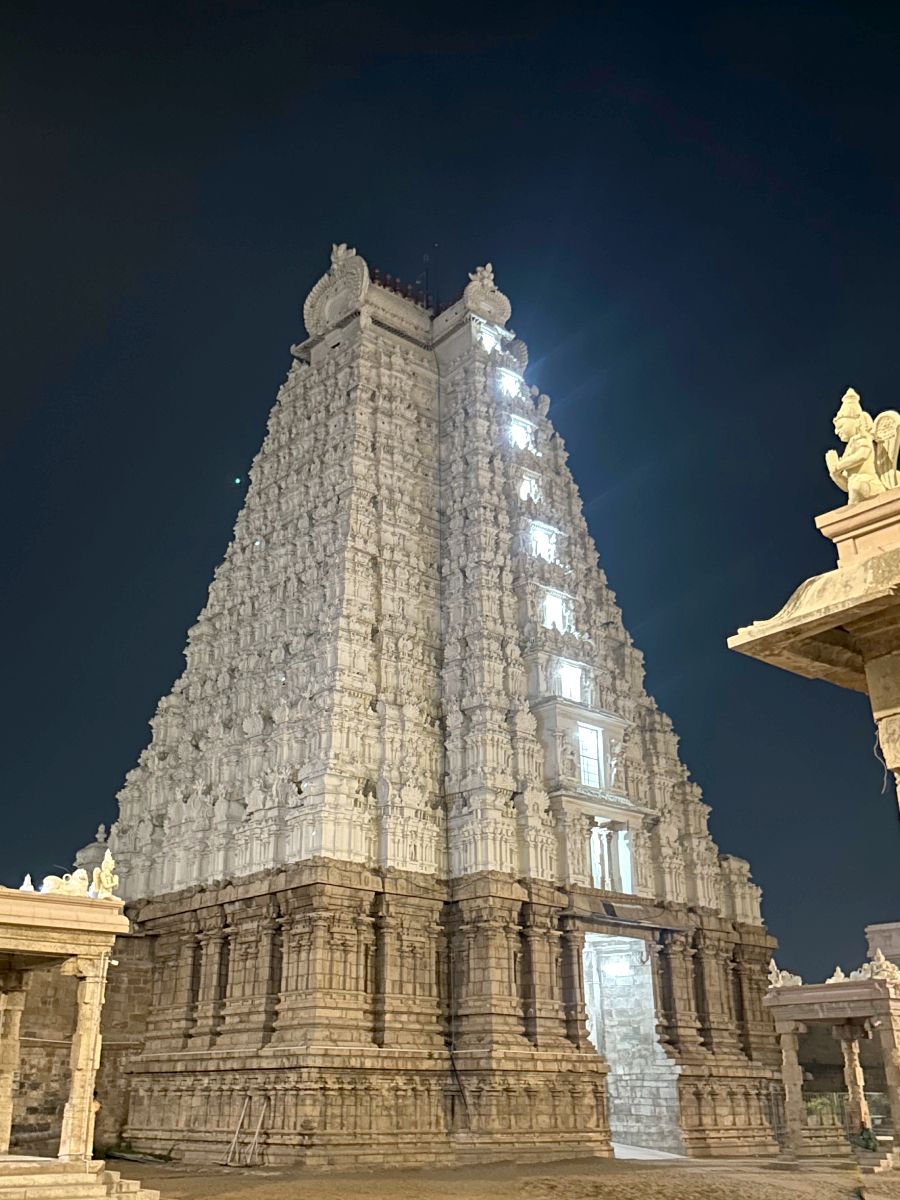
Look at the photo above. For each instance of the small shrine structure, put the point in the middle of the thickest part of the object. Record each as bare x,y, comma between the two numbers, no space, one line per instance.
71,923
856,1008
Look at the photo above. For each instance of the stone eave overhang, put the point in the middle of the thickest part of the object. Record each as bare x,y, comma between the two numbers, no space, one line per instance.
853,999
573,709
813,634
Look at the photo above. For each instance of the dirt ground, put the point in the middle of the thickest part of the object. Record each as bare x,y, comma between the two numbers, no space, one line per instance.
583,1179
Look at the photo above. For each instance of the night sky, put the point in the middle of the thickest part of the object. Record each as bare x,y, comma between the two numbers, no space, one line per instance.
694,211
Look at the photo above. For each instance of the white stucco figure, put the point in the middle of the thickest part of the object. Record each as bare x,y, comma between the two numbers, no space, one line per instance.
868,466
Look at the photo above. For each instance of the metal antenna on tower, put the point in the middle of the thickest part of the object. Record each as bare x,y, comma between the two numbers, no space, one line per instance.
429,272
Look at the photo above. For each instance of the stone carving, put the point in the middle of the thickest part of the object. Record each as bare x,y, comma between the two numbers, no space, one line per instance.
337,294
482,296
879,968
27,885
779,979
868,466
74,884
105,880
837,977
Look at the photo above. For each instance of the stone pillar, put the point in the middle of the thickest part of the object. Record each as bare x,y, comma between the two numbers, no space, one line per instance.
792,1078
680,1002
12,1001
848,1036
612,858
487,1008
76,1141
213,971
889,1040
573,982
719,1032
544,1022
171,1015
752,981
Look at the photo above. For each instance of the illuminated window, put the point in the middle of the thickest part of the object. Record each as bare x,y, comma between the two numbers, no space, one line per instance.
530,488
570,681
611,867
557,611
488,338
589,749
521,433
544,541
510,382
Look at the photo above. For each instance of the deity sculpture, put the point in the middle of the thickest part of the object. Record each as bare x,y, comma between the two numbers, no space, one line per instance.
105,880
868,466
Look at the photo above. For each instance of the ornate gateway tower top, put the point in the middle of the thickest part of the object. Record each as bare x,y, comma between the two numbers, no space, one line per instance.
409,658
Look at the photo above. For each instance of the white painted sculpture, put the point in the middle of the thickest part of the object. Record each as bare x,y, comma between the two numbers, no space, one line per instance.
878,968
105,880
74,884
780,979
868,466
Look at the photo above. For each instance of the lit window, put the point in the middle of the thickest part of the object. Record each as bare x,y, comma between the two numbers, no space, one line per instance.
543,541
510,382
557,611
570,681
553,611
589,747
611,859
521,433
530,488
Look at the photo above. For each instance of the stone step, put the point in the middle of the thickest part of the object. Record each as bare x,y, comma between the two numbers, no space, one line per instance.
50,1180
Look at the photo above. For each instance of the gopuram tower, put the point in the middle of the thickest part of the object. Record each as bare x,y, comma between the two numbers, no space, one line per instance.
415,869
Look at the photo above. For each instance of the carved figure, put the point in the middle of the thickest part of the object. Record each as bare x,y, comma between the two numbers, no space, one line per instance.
105,879
879,968
837,977
75,884
868,467
778,979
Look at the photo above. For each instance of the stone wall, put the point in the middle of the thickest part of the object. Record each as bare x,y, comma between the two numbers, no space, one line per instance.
42,1085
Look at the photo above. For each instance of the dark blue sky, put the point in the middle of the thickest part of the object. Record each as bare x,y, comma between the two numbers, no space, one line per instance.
694,210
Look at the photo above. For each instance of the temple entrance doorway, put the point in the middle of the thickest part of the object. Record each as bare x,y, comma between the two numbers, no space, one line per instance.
642,1084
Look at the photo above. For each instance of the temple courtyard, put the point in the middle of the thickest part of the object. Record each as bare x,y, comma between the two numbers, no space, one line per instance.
577,1179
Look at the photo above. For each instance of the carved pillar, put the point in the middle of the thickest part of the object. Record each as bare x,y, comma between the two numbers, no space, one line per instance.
543,1006
176,964
612,857
12,1002
295,938
657,976
248,1012
487,1008
792,1078
573,982
213,976
752,982
77,1138
680,1004
858,1108
889,1039
717,1023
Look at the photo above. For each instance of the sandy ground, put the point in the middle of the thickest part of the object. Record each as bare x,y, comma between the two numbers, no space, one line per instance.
583,1179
